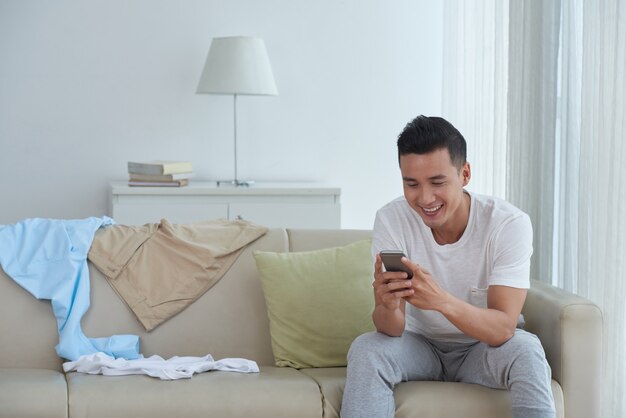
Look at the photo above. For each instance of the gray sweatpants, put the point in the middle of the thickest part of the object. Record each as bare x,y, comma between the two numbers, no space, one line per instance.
377,362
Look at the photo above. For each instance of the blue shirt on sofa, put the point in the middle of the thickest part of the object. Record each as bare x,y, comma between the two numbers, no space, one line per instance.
48,258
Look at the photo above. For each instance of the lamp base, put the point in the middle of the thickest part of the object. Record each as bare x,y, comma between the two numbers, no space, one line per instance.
235,183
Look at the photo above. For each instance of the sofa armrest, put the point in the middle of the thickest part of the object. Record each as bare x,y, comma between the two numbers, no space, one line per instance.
570,330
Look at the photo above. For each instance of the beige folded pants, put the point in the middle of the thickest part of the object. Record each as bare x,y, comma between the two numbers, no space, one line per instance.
159,269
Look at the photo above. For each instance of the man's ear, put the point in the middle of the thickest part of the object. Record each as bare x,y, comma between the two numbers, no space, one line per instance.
466,172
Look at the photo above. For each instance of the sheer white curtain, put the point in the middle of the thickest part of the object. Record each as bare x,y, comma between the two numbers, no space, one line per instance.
591,233
566,152
475,86
538,88
565,249
532,109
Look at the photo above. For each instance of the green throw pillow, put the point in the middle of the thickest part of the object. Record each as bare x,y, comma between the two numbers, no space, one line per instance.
318,302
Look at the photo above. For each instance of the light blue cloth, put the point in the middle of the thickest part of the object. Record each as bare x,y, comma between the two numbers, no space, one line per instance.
48,258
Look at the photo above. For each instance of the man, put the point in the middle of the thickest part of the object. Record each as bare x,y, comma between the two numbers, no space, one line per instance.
456,319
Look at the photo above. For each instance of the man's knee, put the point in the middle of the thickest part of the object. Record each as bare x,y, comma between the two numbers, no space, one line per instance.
367,344
524,344
525,354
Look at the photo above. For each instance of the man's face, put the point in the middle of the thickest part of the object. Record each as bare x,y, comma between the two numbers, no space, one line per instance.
433,187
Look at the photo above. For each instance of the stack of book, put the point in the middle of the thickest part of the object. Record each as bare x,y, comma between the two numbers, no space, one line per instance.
159,173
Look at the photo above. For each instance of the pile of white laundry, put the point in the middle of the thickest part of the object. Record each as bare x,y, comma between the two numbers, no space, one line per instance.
155,366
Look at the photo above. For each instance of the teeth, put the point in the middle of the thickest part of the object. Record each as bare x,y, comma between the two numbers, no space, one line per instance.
431,210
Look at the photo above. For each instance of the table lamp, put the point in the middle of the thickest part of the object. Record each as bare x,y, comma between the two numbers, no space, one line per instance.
237,65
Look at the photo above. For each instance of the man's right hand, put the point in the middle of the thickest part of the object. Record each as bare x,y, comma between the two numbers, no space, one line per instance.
390,287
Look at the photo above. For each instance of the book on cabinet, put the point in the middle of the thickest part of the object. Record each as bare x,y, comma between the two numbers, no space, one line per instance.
173,183
159,167
159,177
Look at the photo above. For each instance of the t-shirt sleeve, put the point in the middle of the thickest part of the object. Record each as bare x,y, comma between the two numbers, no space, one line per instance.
512,248
383,237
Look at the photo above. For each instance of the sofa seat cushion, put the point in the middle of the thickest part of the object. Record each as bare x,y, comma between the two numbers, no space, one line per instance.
274,392
331,381
428,399
26,392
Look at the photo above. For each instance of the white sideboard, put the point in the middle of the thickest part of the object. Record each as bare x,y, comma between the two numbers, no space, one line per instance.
289,205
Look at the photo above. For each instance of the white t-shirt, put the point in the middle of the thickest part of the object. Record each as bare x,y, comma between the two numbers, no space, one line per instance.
494,249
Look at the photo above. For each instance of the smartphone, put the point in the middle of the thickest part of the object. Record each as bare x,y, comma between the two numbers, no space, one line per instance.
391,260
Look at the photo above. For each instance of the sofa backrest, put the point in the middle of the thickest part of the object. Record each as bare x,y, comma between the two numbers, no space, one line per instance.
229,320
315,239
28,329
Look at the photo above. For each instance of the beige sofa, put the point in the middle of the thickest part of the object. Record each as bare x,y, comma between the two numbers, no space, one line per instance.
230,320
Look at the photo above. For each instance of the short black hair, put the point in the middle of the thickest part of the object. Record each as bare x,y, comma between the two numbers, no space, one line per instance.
425,134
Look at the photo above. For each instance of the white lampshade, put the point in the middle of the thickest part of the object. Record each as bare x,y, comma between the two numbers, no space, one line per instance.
237,65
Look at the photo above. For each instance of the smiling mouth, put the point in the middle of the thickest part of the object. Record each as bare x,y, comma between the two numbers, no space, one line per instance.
430,211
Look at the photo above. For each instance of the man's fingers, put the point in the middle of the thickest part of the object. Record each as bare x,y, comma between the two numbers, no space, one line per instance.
398,284
387,276
378,264
397,294
415,268
423,270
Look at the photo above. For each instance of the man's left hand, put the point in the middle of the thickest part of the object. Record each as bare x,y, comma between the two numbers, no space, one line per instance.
428,295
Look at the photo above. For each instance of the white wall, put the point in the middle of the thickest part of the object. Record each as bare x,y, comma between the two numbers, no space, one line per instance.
86,86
